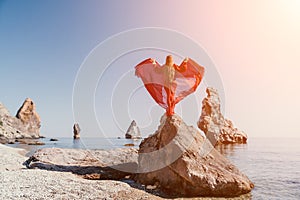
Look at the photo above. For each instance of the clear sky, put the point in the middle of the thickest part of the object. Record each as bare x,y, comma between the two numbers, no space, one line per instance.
253,44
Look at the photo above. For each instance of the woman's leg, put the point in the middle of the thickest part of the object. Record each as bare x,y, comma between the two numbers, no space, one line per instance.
169,110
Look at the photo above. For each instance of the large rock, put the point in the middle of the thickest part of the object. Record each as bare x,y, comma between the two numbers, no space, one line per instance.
216,128
6,130
181,162
133,132
25,125
76,131
101,164
29,118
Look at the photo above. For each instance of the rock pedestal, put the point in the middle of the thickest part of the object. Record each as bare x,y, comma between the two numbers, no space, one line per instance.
181,162
76,131
133,132
212,122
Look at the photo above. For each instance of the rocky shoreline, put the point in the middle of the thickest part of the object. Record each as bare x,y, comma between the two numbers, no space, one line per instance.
176,161
18,182
25,125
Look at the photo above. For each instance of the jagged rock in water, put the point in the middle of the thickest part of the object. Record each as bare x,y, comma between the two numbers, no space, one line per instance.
76,131
212,122
133,131
182,163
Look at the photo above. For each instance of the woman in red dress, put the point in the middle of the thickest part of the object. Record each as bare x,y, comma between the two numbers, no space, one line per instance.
170,83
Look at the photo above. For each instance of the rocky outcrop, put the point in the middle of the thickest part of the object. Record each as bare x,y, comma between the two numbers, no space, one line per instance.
29,117
133,132
25,125
178,160
216,128
104,164
7,131
76,131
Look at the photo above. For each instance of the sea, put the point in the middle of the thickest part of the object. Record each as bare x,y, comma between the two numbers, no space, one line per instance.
272,164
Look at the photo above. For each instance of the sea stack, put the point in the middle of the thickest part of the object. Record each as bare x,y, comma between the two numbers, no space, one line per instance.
76,131
133,132
212,122
182,163
29,117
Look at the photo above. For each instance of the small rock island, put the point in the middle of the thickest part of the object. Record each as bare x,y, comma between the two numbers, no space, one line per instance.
76,131
133,131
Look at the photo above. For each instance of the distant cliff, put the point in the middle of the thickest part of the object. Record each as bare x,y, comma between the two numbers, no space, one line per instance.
26,124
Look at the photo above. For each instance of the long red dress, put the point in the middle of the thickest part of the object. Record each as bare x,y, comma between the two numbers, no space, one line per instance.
169,84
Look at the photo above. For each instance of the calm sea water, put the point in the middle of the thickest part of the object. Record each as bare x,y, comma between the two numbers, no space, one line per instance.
273,164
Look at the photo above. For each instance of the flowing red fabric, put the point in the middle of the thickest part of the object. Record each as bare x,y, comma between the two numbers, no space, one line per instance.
186,80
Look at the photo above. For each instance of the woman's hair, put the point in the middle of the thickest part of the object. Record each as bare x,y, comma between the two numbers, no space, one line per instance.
169,60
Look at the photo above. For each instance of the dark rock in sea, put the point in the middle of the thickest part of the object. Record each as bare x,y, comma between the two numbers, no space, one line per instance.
36,143
53,139
76,131
182,163
118,137
212,122
41,136
129,145
133,132
103,164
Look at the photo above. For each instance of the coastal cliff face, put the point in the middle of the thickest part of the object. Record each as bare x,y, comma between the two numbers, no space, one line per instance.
180,161
26,124
212,122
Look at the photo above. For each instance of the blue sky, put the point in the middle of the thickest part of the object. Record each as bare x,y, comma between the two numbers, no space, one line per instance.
254,45
43,44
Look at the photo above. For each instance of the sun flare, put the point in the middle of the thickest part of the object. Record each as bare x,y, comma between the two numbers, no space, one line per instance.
291,8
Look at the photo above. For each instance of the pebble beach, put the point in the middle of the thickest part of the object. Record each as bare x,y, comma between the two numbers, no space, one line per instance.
18,182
